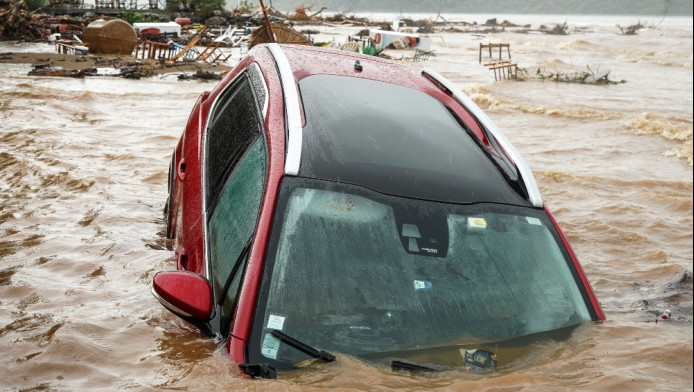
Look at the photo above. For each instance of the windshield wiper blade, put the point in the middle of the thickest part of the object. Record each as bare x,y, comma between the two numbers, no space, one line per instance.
413,367
324,355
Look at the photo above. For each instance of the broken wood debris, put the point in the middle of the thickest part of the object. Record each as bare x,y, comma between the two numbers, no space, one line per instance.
18,23
504,69
630,30
501,46
200,74
47,69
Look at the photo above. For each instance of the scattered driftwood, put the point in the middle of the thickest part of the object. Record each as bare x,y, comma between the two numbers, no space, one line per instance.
127,69
559,29
16,22
343,19
47,69
505,23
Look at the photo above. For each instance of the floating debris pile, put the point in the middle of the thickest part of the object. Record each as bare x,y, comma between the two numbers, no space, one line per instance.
18,23
583,77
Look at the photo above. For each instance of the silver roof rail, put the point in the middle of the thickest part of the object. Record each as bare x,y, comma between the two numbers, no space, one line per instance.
534,195
291,105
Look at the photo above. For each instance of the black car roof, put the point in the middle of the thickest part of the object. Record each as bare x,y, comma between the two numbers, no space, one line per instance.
396,140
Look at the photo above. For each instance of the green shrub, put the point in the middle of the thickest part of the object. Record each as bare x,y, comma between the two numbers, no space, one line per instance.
33,5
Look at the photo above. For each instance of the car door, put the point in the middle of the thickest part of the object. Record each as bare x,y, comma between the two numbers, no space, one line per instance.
234,183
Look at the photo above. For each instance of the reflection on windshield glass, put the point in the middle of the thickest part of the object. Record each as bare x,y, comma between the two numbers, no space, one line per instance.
356,272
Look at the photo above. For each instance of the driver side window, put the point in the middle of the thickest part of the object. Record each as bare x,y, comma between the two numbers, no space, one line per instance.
233,223
236,165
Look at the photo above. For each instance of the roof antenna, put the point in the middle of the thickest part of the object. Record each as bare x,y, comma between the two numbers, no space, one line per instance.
358,66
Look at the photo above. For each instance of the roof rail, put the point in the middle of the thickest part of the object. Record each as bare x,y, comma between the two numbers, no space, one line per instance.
291,105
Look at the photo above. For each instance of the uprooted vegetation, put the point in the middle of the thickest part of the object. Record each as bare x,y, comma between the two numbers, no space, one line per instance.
631,30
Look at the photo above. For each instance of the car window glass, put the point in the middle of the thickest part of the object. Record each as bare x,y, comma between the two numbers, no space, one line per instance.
234,219
235,124
346,264
396,140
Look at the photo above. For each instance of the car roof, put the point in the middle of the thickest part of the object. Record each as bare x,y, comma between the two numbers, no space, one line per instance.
386,126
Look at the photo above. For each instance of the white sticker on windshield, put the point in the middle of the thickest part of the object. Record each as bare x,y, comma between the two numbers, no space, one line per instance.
533,221
423,285
275,322
270,346
476,223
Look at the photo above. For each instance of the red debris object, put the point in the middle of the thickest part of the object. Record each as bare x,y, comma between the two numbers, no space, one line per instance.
151,31
182,21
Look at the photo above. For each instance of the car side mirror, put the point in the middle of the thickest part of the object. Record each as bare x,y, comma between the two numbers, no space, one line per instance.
186,294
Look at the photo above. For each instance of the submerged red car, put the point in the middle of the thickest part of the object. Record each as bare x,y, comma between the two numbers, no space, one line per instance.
326,202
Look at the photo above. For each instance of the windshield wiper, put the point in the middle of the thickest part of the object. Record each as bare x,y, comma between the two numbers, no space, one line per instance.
324,355
413,367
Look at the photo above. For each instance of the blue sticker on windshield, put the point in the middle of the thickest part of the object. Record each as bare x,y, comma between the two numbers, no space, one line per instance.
422,285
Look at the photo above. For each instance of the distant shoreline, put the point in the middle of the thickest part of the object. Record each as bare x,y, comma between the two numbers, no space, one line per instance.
605,20
635,8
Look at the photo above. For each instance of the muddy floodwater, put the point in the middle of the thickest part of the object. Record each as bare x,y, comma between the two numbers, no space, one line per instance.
83,172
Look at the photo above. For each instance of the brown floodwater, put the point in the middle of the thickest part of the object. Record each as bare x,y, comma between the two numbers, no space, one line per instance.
83,172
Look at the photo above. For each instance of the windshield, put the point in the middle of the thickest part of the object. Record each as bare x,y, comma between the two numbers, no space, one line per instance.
353,271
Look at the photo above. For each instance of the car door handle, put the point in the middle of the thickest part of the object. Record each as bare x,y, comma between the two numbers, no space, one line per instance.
182,262
182,169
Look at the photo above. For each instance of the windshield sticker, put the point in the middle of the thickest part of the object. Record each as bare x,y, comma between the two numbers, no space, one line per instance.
431,251
476,223
270,346
533,221
275,322
423,285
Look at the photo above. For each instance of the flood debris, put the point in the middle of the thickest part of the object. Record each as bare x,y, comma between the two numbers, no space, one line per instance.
301,14
503,69
113,36
207,41
671,301
558,29
583,77
277,33
47,69
491,46
201,75
121,68
274,32
16,22
630,30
